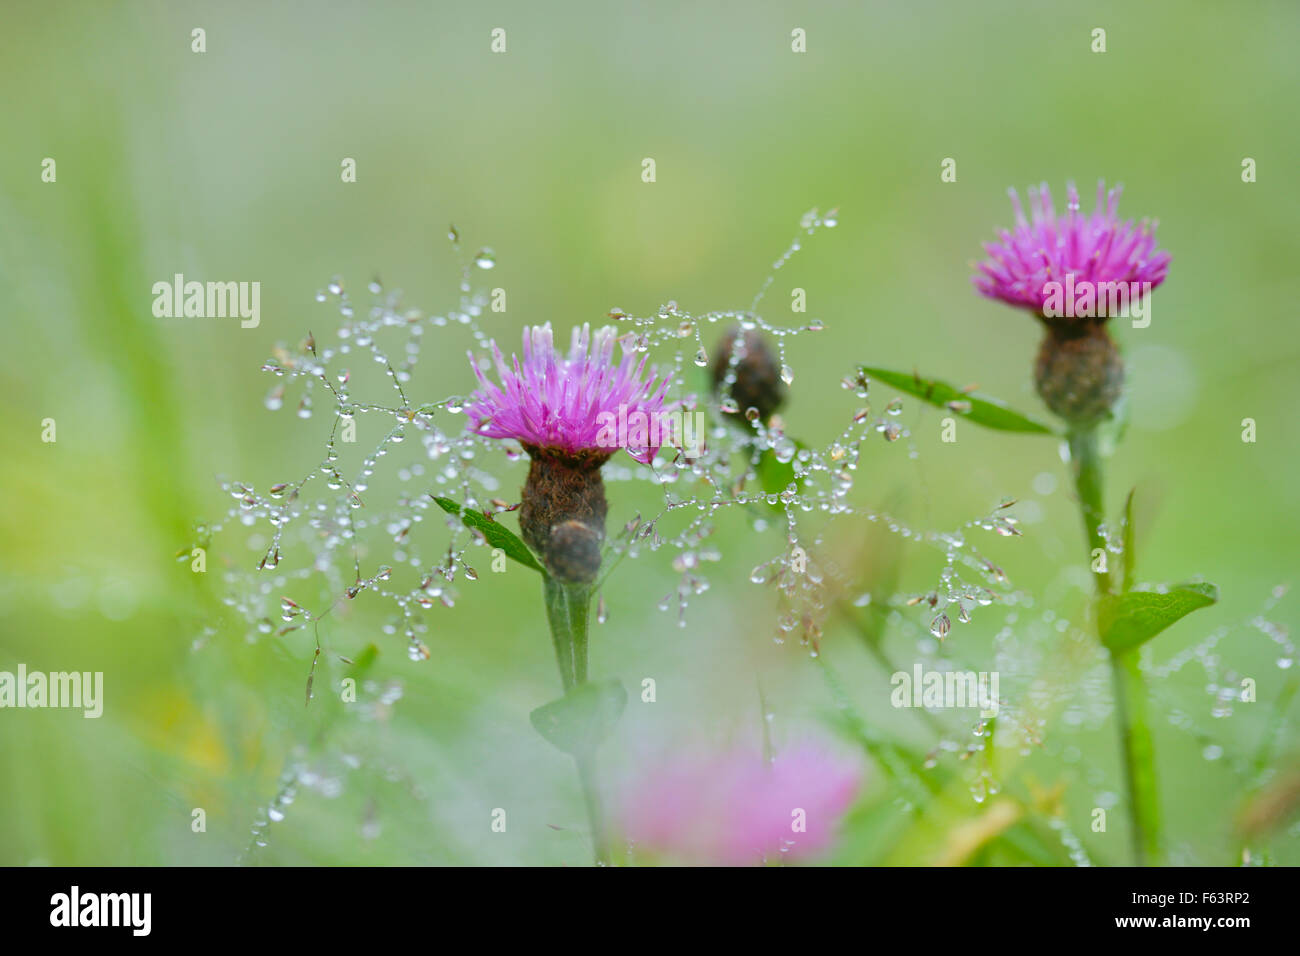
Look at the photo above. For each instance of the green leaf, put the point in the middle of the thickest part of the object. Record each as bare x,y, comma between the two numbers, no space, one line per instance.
498,535
1130,555
1130,620
983,410
363,661
579,721
775,476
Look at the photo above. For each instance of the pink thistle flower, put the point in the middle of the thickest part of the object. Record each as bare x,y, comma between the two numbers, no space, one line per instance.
736,808
555,404
1097,249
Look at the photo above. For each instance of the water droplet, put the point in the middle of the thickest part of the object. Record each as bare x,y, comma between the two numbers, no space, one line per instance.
485,259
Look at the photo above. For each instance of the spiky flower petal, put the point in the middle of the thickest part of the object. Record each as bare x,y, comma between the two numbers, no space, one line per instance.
1098,249
554,403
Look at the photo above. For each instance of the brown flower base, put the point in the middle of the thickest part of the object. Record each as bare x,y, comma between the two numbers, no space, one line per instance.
562,511
1079,372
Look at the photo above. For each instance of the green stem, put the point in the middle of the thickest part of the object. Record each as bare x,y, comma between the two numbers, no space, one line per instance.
1085,459
1131,710
557,615
568,612
595,815
1139,755
579,600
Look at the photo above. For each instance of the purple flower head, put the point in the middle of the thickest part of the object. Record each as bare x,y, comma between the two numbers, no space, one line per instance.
736,809
554,403
1094,249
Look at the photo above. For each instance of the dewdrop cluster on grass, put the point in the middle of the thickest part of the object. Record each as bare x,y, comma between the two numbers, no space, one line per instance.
330,520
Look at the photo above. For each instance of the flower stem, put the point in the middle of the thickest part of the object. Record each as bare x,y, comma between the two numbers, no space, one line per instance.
557,615
1085,459
595,814
1139,755
1131,711
579,601
568,611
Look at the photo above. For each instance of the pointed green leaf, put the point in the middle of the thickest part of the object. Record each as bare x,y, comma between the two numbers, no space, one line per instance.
497,535
363,661
1130,556
774,476
1130,620
579,721
983,409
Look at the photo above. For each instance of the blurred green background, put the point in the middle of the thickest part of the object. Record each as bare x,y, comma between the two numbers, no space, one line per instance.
225,165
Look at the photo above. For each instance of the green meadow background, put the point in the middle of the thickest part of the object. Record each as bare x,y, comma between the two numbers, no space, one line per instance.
225,165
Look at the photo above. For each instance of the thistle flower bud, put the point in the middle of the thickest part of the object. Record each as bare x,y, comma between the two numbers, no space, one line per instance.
1059,267
556,406
573,553
1079,372
562,511
757,373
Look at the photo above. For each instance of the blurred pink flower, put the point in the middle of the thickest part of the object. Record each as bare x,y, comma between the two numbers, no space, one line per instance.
1096,249
736,809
